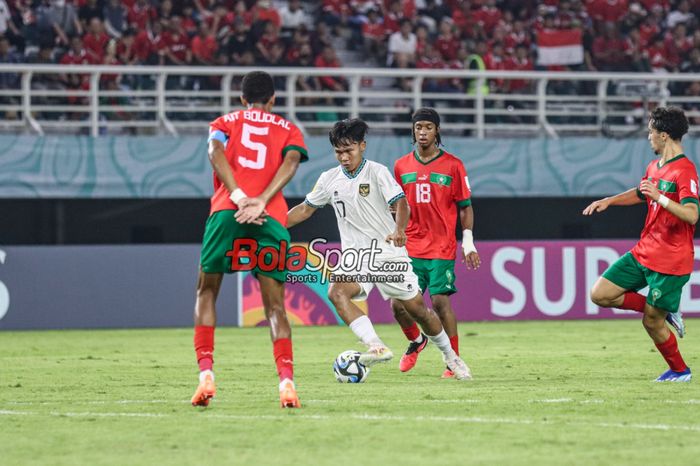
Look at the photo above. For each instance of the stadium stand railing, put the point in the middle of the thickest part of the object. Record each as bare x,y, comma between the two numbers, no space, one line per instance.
168,100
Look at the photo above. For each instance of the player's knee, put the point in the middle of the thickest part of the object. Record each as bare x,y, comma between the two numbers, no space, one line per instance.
599,298
336,296
417,308
653,322
441,307
274,310
397,308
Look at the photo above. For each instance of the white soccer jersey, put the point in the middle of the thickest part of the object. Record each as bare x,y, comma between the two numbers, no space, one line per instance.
361,203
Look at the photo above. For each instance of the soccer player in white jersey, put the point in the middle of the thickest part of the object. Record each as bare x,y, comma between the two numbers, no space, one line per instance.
361,192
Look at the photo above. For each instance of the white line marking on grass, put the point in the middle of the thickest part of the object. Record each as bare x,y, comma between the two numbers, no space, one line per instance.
552,400
373,417
90,402
6,412
397,401
88,414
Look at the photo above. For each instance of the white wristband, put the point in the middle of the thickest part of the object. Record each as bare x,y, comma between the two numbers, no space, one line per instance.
663,200
468,241
237,195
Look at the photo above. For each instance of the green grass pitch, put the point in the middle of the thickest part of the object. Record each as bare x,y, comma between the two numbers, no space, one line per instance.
544,393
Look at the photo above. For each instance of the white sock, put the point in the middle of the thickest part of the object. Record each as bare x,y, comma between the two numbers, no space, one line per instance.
442,341
285,382
203,374
419,339
363,328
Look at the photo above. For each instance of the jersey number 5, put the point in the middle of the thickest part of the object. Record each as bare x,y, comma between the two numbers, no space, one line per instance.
258,147
422,193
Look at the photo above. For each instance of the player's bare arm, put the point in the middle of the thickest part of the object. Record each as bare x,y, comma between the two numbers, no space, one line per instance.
628,197
299,213
223,171
403,212
254,207
469,255
219,163
687,213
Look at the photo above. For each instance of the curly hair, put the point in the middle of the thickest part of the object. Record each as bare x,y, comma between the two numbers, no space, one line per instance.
670,120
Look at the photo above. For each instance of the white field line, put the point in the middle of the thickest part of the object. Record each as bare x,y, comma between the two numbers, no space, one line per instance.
378,417
324,401
552,400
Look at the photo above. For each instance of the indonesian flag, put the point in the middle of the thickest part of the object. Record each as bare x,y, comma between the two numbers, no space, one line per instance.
559,47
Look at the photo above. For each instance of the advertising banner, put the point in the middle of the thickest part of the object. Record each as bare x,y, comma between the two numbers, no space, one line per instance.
524,280
51,287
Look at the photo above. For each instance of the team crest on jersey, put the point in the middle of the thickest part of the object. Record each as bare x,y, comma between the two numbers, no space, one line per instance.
364,189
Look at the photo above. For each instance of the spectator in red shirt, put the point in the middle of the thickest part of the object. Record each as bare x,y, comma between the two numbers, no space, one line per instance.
264,11
329,59
76,55
607,10
140,15
300,38
96,40
220,22
204,46
636,53
678,44
609,50
422,40
269,38
150,44
519,62
374,36
658,55
110,80
189,24
464,20
488,16
393,16
177,45
495,59
126,48
446,42
517,36
648,30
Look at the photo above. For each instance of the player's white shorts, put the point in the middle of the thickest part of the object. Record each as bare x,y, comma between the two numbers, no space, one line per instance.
401,284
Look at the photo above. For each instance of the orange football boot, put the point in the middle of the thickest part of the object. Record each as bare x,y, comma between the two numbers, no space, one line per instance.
288,395
206,389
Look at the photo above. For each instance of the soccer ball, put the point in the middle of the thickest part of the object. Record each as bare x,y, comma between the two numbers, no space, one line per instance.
348,369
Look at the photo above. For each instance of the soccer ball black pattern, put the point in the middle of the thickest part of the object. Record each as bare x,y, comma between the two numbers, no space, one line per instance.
348,369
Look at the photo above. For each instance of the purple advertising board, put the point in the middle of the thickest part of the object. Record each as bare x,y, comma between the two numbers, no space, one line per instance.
520,280
153,286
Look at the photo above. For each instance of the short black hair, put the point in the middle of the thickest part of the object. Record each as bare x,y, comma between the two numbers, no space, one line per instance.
348,131
258,87
670,120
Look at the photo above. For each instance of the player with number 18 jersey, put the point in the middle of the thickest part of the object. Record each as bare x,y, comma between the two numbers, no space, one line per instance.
432,190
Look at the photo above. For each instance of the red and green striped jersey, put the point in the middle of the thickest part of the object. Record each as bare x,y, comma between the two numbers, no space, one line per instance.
433,190
255,147
666,242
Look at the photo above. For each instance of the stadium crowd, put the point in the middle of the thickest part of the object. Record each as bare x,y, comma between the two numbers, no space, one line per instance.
616,35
